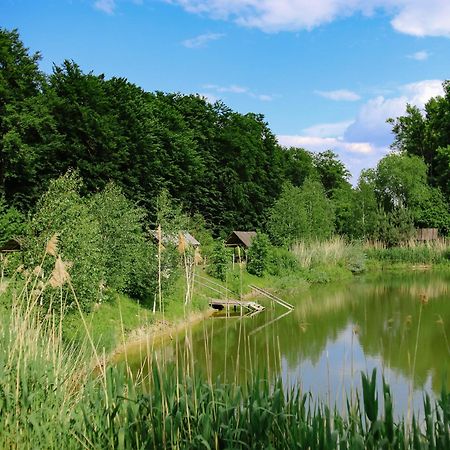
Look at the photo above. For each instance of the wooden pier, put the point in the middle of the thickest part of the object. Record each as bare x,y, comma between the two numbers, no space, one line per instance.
236,305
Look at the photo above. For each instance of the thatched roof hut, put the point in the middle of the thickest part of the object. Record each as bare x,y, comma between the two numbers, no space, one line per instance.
240,239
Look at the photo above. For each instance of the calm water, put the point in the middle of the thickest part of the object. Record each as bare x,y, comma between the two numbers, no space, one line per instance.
334,333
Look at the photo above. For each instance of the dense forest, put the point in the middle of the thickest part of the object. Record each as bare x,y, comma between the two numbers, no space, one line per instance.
216,162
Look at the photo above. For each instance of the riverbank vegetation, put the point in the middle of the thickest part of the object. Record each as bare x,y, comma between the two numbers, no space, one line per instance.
48,399
111,175
99,183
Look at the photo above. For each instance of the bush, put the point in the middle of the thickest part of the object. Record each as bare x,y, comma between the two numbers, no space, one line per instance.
282,262
12,223
259,255
128,257
62,212
218,262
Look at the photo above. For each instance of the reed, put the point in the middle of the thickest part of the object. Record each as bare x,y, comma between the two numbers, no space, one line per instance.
51,397
412,252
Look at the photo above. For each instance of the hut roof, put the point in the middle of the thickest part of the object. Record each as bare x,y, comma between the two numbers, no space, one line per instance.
240,238
12,245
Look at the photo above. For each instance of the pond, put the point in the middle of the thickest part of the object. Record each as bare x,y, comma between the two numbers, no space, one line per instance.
397,323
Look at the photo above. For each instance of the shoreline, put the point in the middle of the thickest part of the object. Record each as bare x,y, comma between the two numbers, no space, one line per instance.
156,334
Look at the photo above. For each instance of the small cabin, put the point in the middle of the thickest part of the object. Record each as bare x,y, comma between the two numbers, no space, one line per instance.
241,239
426,234
10,246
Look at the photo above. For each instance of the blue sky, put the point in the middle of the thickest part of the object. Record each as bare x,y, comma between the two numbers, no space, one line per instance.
325,73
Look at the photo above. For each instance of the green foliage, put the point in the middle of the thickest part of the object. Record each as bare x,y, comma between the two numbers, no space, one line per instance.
302,213
332,172
129,257
282,262
427,135
169,215
433,211
395,227
426,253
218,261
401,181
299,165
12,222
259,255
62,211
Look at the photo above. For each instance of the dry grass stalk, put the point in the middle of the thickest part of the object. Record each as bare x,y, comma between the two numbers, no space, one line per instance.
52,245
59,274
181,244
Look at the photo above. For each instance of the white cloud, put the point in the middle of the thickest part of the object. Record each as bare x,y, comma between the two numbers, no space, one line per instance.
340,95
236,89
360,143
420,56
233,88
336,129
315,143
370,123
107,6
414,17
202,40
264,97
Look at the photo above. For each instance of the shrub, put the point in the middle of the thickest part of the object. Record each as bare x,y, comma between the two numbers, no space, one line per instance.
259,255
218,262
127,254
282,262
12,222
62,212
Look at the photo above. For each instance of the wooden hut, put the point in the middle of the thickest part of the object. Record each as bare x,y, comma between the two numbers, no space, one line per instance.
10,246
426,234
240,239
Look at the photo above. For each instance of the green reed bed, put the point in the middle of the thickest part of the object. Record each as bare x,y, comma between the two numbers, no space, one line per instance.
47,402
433,252
51,398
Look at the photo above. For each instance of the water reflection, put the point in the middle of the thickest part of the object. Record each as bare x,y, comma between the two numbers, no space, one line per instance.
399,324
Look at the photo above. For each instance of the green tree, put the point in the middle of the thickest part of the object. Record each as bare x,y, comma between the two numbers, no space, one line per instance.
12,223
218,262
401,181
62,211
366,212
332,172
303,213
123,243
299,165
424,133
259,255
20,80
287,220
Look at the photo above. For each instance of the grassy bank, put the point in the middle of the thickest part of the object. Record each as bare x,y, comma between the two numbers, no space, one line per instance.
113,322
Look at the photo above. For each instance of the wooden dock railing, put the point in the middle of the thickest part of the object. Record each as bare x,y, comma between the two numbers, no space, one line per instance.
273,297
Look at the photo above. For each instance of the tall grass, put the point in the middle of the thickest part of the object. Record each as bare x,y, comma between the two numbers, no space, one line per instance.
51,398
333,252
413,252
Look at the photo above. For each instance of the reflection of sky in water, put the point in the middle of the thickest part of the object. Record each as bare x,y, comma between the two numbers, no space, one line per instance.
338,372
334,333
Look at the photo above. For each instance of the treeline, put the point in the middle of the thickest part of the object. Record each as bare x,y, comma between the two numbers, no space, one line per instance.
222,164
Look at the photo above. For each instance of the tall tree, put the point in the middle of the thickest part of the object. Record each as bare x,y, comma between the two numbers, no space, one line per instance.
332,172
20,80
